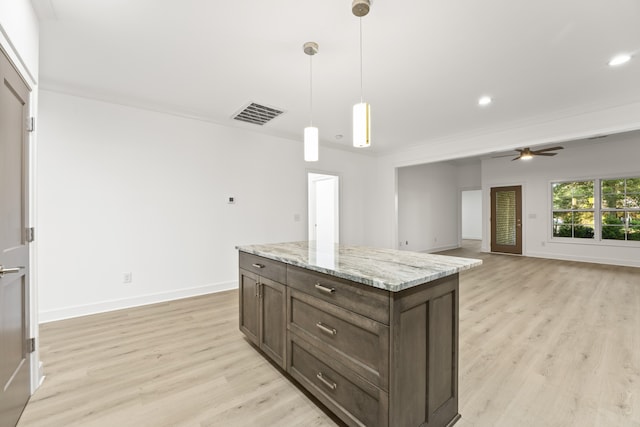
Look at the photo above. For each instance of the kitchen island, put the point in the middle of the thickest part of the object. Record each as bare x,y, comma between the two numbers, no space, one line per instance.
371,333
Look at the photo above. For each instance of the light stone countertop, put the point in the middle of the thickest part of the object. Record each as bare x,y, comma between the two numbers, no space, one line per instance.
388,269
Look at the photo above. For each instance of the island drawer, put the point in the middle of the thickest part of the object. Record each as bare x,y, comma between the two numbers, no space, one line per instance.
274,270
360,343
362,299
354,400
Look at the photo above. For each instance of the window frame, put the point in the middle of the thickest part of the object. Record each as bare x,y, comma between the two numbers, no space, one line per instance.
572,211
625,210
597,210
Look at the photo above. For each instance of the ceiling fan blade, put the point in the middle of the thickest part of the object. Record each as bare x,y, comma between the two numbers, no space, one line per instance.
504,155
516,158
545,154
542,150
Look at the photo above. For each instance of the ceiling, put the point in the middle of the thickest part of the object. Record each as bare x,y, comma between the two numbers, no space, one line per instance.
425,63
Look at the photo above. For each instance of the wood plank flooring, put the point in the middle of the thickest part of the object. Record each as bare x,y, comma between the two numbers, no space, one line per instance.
542,343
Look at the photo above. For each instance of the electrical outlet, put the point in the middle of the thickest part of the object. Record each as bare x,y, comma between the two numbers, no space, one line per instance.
127,277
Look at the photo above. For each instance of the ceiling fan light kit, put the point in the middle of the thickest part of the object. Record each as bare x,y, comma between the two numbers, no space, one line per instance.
528,154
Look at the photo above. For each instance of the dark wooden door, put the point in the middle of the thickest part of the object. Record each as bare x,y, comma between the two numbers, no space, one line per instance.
15,361
506,219
273,308
249,305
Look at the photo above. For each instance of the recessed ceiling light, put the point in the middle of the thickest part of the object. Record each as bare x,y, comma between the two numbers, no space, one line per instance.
485,100
619,60
339,137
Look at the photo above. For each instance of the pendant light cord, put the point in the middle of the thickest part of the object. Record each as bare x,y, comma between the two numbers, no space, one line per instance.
311,90
361,90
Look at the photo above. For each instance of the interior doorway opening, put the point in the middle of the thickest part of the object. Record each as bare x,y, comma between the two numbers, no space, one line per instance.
471,214
324,208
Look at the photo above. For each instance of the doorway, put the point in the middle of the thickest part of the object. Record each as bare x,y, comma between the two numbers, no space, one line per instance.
506,219
471,214
15,346
324,208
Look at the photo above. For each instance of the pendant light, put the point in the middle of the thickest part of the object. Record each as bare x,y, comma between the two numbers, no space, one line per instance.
310,132
362,110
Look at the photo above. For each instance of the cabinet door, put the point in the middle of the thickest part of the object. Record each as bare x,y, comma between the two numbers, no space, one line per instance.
249,305
273,301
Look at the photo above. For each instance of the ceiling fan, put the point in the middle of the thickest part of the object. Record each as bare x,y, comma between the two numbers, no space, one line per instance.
527,153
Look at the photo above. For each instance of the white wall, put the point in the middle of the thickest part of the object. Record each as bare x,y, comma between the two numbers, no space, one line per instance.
129,190
615,156
470,176
471,214
428,207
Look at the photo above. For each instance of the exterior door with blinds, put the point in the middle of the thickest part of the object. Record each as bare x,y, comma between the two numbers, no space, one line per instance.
506,219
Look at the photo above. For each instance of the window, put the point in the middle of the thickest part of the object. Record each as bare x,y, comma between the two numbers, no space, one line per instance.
620,209
573,209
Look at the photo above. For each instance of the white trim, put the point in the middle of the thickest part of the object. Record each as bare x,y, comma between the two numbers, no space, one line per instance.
440,249
17,59
597,210
593,260
111,305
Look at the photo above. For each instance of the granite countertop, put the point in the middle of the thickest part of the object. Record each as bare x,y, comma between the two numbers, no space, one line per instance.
387,269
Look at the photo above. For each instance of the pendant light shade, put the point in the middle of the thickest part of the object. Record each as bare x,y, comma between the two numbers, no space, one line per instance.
361,111
310,144
310,132
361,125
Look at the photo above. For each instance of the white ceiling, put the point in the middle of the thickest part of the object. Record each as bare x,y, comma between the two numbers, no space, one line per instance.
426,63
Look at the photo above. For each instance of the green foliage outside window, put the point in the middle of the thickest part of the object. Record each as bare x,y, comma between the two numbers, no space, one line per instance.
620,209
573,209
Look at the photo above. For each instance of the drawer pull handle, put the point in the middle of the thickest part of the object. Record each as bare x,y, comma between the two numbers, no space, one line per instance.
257,265
329,384
325,289
327,329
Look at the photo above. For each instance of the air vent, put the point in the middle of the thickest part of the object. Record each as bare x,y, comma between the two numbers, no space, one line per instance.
257,114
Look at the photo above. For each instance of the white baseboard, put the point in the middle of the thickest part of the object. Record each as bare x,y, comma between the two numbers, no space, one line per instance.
564,257
101,307
441,248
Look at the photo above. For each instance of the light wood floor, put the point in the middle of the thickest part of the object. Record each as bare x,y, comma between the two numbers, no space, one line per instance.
542,343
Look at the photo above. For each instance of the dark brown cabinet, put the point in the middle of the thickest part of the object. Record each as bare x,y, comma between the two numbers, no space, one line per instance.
263,304
372,356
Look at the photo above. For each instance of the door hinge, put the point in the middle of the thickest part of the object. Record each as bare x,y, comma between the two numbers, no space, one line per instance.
31,124
30,234
31,345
